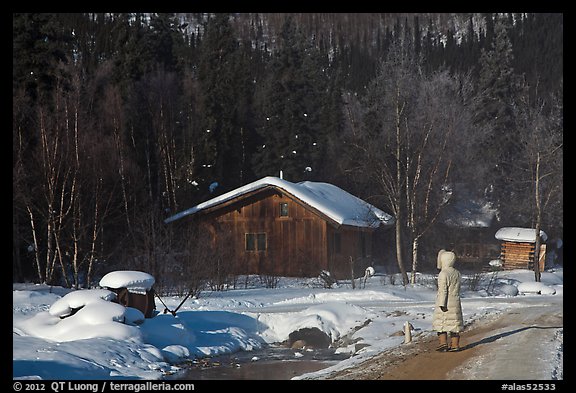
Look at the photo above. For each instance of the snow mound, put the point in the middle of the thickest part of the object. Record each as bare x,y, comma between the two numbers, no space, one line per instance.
506,290
81,315
97,319
134,281
175,353
333,318
133,316
536,287
64,306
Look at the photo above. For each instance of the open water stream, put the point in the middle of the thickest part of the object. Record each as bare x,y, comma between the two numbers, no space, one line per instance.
271,363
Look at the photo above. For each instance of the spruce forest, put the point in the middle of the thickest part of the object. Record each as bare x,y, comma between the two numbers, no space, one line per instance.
122,120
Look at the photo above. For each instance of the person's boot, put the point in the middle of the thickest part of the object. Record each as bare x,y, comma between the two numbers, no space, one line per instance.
442,342
454,343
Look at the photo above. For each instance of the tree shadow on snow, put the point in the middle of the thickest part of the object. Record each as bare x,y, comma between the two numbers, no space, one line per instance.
495,337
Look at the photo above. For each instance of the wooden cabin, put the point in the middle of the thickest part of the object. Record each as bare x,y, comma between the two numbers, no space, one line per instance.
279,228
467,224
133,289
518,248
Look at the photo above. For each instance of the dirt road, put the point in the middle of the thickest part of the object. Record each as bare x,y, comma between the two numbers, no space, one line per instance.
524,343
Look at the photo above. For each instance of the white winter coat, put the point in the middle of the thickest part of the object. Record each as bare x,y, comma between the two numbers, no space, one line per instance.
448,296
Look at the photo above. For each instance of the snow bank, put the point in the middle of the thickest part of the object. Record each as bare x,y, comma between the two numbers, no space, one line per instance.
95,320
333,318
134,281
506,290
95,316
536,287
364,322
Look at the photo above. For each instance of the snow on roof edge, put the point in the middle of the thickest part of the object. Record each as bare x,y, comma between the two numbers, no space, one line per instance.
521,235
342,207
131,279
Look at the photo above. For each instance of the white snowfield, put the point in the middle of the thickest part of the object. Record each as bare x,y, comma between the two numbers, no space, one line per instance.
339,205
104,340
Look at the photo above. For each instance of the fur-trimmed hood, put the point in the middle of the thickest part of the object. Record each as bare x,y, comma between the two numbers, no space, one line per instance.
445,259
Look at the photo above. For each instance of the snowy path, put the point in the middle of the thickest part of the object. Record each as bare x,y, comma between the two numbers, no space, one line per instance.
522,343
519,347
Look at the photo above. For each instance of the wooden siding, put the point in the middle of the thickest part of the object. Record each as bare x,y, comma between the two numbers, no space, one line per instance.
299,245
477,252
515,255
355,243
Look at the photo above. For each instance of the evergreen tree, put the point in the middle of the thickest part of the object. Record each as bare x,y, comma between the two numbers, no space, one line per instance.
164,41
498,88
291,137
538,52
39,44
128,50
417,36
470,51
224,73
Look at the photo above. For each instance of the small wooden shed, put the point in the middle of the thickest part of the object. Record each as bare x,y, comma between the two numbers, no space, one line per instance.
275,227
518,248
133,289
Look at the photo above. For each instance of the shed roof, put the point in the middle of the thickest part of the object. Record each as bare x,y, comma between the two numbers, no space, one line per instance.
520,235
337,204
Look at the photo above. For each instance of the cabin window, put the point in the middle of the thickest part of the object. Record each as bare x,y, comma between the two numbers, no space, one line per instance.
284,209
255,242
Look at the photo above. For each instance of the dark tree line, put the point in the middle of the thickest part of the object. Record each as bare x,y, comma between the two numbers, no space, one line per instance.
120,120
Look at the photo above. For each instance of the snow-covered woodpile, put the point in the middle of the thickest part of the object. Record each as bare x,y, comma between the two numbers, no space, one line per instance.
518,248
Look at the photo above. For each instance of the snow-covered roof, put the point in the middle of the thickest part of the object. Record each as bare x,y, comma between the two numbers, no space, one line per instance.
520,235
134,281
470,214
339,205
468,208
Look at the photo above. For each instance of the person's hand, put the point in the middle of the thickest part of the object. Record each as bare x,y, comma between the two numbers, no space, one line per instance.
444,309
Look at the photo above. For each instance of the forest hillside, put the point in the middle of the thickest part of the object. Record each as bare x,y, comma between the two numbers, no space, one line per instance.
123,119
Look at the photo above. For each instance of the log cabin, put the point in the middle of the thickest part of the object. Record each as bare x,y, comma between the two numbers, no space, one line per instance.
518,248
276,227
467,224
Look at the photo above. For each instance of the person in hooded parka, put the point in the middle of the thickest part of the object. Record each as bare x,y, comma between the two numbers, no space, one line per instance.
447,317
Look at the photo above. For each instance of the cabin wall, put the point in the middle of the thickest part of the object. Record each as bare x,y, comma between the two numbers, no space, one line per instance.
291,241
349,251
291,245
516,255
475,247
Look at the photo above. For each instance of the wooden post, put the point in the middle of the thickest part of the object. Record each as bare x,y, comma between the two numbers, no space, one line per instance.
407,333
536,265
542,257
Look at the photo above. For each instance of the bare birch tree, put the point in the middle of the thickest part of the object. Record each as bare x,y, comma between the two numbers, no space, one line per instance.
540,172
57,182
414,125
439,129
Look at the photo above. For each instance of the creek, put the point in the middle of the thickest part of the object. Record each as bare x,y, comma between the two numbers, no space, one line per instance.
270,363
